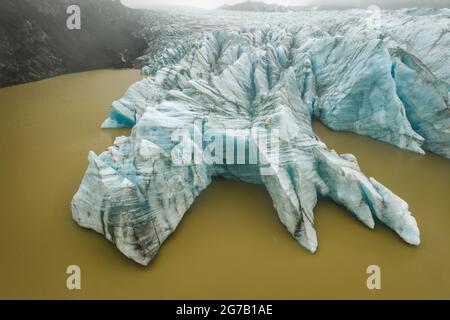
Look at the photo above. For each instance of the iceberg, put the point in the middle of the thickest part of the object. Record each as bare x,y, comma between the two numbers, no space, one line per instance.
239,104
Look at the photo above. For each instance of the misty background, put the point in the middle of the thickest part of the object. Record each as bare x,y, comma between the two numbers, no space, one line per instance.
212,4
36,44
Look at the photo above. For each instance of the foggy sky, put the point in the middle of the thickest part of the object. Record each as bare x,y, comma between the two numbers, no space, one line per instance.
207,4
211,4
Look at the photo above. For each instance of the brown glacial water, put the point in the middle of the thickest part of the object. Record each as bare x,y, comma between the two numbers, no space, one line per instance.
229,245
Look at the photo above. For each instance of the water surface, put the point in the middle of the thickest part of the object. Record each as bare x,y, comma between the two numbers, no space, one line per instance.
229,245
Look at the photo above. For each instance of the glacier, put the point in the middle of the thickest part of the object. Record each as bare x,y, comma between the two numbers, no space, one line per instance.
225,82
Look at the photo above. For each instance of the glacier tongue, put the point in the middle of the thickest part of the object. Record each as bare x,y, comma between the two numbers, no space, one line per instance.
233,88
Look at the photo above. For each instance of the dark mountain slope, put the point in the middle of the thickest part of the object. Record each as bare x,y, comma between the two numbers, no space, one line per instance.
35,42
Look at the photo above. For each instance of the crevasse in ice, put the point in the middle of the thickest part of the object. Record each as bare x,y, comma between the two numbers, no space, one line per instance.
238,102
